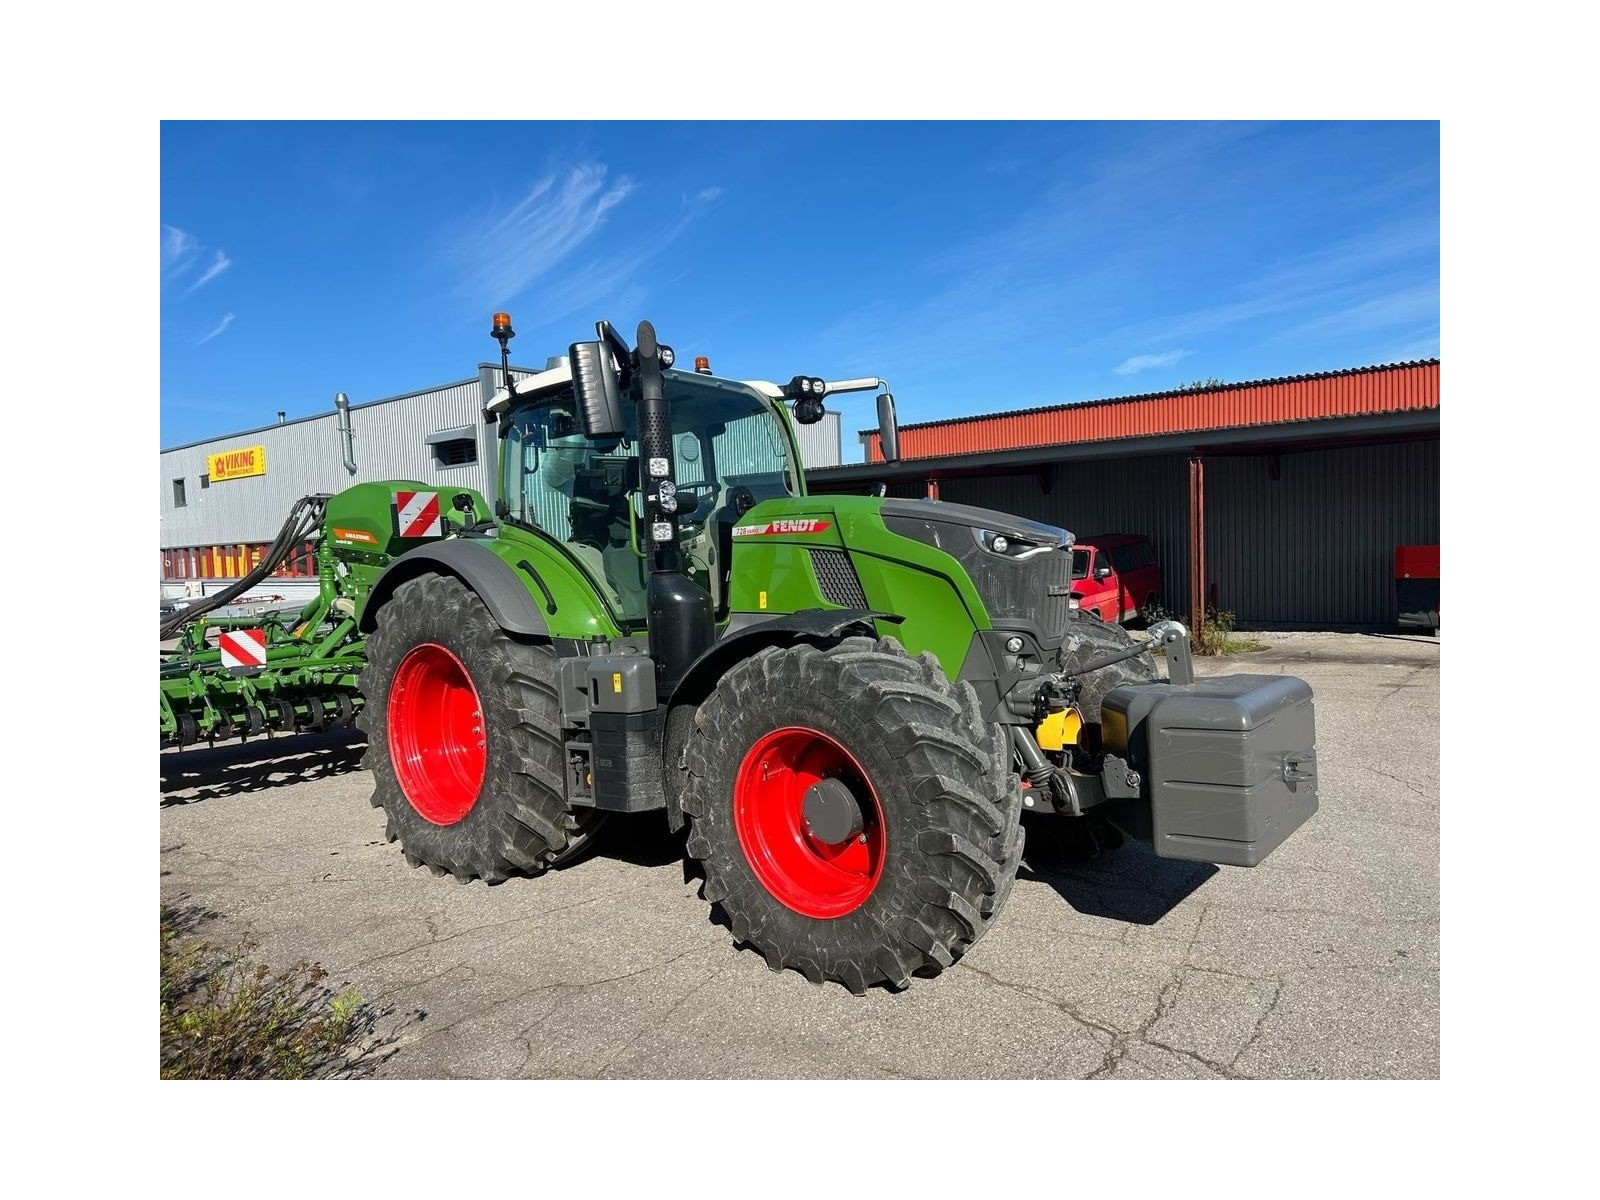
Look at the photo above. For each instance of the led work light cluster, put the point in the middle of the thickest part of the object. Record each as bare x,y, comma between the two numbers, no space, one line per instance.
807,392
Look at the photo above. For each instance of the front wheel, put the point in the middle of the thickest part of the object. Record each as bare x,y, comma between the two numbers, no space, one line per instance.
855,817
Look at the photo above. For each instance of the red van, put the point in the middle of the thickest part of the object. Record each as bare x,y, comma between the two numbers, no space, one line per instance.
1116,576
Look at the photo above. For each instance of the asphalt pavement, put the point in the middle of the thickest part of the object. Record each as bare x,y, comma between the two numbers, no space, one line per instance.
1323,962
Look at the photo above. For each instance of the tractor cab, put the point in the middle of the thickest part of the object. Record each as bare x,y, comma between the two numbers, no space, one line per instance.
732,449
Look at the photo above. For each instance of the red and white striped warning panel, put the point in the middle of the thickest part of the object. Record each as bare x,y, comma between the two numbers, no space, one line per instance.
243,647
416,515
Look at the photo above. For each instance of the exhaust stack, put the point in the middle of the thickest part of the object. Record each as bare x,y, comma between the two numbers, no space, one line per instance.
346,438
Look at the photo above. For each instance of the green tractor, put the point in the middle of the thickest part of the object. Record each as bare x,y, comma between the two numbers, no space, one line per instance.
847,701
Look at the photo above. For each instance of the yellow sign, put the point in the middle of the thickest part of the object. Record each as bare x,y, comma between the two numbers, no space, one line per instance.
237,464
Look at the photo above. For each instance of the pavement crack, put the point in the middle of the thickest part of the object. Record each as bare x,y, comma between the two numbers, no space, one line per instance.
1261,1024
433,940
1046,998
658,1022
1405,783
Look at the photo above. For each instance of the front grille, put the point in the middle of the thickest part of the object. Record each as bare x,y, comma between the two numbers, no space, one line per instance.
1020,589
837,579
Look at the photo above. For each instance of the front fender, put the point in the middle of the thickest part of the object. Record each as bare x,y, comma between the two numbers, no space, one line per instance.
784,629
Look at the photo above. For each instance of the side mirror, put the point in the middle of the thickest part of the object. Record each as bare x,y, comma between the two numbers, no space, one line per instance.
598,388
888,428
1102,572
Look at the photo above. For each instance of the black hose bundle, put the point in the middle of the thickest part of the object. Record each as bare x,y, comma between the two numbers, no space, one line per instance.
305,521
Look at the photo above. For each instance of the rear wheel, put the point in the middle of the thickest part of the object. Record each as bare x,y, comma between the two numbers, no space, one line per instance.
464,738
855,817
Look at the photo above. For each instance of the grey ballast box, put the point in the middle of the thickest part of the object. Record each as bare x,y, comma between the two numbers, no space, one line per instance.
1229,763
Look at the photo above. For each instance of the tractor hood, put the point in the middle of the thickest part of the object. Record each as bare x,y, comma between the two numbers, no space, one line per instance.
978,518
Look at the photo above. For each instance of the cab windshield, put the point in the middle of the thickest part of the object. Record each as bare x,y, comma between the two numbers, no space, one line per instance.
725,441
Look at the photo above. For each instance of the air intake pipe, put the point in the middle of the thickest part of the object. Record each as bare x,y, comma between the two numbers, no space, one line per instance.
346,438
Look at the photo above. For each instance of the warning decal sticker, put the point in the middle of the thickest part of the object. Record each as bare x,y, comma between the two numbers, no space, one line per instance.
416,515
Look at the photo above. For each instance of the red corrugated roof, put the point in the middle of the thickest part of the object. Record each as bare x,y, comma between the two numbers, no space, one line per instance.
1359,391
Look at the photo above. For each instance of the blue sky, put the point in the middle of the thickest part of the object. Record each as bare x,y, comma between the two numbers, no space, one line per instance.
977,266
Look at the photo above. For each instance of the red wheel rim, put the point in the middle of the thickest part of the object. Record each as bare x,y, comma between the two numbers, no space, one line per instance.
803,873
436,734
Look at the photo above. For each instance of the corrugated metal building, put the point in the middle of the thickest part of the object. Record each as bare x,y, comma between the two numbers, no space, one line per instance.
213,529
1279,500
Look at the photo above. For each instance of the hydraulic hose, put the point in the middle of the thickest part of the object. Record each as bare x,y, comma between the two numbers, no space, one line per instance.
305,521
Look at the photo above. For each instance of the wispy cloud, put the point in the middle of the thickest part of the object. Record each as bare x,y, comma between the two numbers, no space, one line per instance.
177,247
1399,307
1356,274
181,256
217,331
560,212
219,264
560,237
1047,269
1143,362
616,275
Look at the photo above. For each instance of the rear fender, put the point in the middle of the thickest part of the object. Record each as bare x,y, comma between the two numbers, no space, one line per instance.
505,595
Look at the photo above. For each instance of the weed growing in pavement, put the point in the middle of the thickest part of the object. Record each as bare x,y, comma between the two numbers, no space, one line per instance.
1215,634
224,1016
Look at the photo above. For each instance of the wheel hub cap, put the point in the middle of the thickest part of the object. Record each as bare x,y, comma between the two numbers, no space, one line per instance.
831,813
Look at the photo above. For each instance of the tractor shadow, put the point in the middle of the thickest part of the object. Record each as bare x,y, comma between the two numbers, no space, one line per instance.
237,768
1128,883
642,839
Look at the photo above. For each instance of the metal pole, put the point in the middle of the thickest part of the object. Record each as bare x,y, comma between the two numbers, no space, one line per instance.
1197,543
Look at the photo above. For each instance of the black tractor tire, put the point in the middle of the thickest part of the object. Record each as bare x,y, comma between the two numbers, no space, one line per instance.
1087,639
947,808
519,823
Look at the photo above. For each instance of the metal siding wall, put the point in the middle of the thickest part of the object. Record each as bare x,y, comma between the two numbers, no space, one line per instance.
819,444
305,457
1316,546
1132,495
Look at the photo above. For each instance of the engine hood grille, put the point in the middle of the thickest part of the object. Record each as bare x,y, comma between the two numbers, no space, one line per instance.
1033,588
